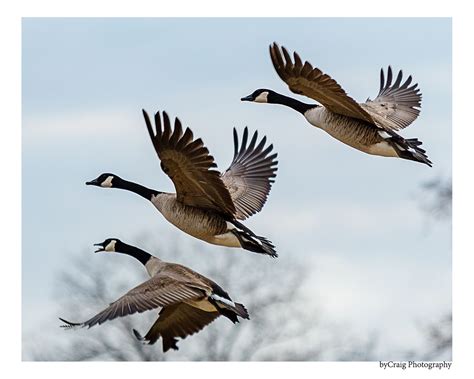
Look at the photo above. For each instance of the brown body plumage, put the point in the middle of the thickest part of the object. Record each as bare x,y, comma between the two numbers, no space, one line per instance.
369,127
208,204
188,300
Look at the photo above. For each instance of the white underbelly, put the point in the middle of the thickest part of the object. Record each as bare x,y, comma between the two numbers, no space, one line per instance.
227,239
383,149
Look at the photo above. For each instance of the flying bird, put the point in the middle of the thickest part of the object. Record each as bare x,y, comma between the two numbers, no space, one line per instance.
207,204
188,300
370,127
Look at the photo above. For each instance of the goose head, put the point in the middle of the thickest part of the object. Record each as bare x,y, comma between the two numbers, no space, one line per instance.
114,245
260,95
263,95
109,245
105,180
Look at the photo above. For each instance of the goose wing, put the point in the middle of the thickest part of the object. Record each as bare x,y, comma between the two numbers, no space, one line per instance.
303,79
189,165
177,320
160,291
249,177
397,105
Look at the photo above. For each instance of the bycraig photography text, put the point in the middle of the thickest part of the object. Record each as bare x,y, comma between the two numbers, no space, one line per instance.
415,364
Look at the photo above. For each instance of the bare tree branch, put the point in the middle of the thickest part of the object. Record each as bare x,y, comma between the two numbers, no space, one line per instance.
436,198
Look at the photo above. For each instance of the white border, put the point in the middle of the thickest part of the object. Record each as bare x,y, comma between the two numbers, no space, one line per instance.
11,169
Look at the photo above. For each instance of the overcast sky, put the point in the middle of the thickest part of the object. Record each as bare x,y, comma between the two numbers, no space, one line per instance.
354,217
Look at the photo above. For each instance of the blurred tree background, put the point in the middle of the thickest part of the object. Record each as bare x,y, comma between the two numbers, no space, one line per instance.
284,324
437,201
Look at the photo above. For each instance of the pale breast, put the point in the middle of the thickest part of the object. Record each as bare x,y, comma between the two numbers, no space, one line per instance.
316,116
154,265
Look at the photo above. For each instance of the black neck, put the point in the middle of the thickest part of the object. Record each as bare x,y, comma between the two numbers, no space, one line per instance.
297,105
133,251
145,192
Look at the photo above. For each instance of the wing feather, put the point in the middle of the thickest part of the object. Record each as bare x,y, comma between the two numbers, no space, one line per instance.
159,291
189,165
397,105
251,174
179,320
304,80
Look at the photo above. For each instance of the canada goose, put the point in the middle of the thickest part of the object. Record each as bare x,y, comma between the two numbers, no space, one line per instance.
189,301
369,127
207,204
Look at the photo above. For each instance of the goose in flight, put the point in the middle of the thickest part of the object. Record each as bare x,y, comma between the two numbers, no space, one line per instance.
207,204
370,127
188,300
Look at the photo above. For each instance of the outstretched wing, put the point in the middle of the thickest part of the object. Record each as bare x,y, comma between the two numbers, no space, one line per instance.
189,165
397,105
159,291
303,79
178,320
250,176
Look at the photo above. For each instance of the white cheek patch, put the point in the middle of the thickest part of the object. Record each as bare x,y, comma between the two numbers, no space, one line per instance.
107,182
110,246
262,98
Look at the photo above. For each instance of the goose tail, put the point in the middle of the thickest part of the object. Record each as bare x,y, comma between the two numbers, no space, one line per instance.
228,308
412,151
406,148
241,311
251,242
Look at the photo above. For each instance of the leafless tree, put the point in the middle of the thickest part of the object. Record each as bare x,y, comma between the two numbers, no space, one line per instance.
437,203
286,322
437,198
439,338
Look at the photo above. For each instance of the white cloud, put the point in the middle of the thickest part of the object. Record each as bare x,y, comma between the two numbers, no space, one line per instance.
78,124
343,217
392,296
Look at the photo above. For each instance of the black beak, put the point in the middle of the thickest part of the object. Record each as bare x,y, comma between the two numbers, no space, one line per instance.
100,249
94,182
247,98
